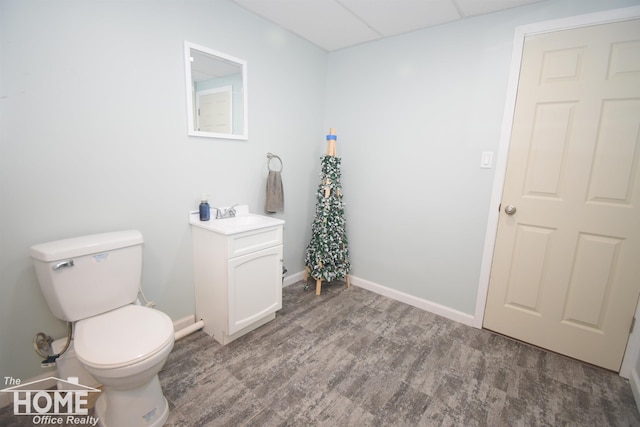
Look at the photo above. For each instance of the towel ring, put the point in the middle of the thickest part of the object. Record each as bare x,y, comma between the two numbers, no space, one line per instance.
271,157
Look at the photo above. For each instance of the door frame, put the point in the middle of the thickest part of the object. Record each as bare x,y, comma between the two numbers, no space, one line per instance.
604,17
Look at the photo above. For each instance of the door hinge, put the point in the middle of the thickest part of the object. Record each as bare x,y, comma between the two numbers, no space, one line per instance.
633,324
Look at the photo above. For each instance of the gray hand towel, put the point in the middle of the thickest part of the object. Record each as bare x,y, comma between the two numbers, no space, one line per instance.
275,193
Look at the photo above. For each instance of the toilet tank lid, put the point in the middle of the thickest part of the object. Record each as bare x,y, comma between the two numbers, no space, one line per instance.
85,245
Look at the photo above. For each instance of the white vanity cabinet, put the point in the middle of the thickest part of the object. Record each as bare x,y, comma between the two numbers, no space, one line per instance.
238,278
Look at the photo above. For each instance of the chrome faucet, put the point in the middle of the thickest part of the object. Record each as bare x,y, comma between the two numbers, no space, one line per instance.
226,213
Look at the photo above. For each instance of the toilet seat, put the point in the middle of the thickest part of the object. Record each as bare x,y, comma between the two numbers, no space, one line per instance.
122,337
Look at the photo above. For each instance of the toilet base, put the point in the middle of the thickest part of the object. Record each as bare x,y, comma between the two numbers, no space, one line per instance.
144,406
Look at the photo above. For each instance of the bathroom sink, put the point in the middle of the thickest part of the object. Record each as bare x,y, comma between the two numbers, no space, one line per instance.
239,224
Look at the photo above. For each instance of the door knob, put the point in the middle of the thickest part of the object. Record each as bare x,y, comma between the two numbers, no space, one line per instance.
510,209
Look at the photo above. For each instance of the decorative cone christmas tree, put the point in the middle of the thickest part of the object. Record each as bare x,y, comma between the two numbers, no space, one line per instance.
327,256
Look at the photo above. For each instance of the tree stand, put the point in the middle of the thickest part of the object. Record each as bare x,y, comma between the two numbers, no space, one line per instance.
319,281
327,256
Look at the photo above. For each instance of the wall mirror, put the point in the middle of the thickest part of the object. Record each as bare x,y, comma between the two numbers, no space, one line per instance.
216,85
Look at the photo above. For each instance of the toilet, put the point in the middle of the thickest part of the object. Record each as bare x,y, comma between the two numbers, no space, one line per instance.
93,281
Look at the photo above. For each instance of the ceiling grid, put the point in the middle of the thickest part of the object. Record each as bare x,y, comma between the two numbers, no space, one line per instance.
338,24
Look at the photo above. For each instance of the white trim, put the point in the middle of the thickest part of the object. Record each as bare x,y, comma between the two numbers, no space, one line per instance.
634,382
293,278
184,322
394,294
242,134
420,303
632,352
521,32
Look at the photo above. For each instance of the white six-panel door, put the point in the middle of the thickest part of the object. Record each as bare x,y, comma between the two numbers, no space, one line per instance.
214,110
566,267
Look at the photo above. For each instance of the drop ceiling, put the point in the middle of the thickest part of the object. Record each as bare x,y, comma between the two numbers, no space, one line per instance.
337,24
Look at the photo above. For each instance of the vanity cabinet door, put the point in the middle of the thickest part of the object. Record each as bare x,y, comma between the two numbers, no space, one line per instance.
255,287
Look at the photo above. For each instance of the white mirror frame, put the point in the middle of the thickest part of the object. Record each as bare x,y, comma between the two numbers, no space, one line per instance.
243,132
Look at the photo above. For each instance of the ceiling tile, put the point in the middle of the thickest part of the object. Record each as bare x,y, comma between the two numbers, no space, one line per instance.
390,17
324,22
479,7
336,24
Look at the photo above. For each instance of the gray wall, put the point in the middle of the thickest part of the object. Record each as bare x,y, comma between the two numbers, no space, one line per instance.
93,138
413,115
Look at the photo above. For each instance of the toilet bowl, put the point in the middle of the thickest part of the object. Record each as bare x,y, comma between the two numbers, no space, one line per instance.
93,281
124,349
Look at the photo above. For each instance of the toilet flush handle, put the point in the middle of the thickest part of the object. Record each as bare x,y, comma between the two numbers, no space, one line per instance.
63,264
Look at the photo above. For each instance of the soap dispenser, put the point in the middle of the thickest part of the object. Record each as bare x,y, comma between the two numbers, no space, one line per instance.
205,210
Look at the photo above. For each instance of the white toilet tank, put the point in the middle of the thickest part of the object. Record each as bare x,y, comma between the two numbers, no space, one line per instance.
85,276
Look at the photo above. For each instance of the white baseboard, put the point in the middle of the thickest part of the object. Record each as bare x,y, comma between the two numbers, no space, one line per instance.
184,322
420,303
293,278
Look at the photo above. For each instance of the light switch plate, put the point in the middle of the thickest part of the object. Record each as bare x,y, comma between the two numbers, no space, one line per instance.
487,160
